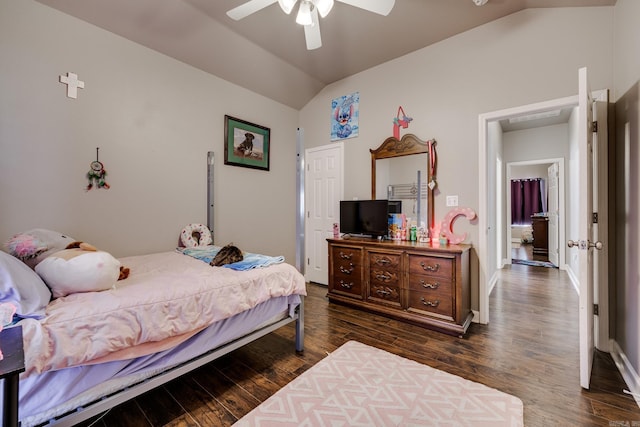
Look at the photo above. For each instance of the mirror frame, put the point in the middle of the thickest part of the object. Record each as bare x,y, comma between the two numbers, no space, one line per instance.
408,145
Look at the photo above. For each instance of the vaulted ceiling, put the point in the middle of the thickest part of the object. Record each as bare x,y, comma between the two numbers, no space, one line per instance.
266,52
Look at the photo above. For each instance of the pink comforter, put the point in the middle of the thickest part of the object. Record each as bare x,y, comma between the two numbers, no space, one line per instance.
167,295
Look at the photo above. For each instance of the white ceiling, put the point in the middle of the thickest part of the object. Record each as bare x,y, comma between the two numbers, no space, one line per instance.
266,52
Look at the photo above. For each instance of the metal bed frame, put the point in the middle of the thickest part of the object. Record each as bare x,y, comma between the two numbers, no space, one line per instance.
97,407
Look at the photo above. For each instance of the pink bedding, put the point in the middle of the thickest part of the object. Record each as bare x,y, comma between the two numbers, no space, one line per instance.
167,295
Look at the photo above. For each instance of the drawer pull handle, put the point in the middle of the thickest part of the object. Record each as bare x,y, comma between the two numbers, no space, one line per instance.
430,303
346,285
387,293
347,270
345,256
430,268
429,285
383,261
383,277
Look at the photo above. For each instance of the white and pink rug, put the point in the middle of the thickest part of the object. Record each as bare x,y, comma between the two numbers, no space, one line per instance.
359,385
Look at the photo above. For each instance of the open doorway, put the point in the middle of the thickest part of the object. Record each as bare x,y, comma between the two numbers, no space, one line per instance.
493,160
535,211
494,128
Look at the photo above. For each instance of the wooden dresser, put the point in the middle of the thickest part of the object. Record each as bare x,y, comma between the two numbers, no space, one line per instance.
414,282
540,227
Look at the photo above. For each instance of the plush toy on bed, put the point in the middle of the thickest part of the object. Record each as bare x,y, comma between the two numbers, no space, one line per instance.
228,254
80,267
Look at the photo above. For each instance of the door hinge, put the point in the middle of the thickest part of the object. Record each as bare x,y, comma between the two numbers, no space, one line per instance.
594,126
595,309
594,217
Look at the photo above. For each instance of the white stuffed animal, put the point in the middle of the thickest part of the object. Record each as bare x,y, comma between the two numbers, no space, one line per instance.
80,268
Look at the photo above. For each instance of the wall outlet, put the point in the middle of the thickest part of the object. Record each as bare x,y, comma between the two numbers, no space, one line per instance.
452,200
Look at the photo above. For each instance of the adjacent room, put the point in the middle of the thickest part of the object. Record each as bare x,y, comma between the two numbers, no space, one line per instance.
239,212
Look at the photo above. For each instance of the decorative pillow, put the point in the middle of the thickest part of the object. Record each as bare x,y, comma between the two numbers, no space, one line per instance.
25,246
35,245
74,270
23,287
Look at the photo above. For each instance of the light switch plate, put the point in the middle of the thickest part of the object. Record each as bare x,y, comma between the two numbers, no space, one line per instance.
452,200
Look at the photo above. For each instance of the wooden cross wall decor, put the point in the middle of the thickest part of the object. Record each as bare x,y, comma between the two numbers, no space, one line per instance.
72,82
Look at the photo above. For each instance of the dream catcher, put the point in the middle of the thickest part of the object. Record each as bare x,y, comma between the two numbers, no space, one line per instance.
96,174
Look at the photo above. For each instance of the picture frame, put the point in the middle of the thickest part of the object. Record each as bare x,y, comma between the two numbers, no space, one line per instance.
246,144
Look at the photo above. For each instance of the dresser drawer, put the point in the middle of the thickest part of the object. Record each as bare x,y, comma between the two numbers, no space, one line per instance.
379,260
342,255
385,294
426,283
432,265
437,301
347,271
349,285
384,278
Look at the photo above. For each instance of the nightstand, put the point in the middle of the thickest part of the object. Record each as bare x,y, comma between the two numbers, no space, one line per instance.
11,366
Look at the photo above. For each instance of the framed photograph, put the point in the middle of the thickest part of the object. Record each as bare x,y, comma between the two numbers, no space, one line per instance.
246,144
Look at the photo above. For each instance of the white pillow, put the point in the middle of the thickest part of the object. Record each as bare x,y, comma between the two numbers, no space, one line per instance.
88,272
21,286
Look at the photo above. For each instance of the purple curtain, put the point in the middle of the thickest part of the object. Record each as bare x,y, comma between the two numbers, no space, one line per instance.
516,201
525,200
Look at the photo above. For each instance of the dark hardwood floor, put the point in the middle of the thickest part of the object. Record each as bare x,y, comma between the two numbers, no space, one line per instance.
528,349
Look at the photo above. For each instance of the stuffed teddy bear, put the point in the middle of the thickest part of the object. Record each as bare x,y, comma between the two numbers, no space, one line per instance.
80,267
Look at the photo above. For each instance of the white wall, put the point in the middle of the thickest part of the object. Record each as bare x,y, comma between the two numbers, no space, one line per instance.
626,256
530,56
547,142
154,119
539,170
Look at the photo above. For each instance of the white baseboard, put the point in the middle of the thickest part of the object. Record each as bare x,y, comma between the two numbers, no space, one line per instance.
630,376
492,283
574,279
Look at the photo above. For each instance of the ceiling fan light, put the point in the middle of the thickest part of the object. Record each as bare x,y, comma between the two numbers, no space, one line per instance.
324,6
287,5
304,13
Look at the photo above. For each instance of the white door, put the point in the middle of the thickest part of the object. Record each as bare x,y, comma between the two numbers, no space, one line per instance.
585,242
553,211
323,192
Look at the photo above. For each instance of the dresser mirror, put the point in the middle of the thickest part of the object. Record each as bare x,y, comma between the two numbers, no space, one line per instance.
402,170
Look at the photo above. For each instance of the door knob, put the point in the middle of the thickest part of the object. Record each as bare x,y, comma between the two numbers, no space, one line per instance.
598,245
571,243
582,244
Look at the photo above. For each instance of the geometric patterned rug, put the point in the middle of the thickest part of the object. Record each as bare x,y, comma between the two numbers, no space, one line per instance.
359,385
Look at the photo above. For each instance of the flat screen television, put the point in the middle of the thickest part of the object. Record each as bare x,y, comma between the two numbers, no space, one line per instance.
364,217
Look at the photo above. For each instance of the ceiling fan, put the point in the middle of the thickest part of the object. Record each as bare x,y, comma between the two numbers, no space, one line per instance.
308,11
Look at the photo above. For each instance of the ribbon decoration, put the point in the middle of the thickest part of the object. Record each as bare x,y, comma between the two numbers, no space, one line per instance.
400,122
432,163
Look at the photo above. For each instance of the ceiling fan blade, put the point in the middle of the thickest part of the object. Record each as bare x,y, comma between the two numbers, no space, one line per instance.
381,7
246,9
312,32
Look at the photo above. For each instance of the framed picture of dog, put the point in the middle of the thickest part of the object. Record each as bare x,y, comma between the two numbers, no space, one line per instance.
246,144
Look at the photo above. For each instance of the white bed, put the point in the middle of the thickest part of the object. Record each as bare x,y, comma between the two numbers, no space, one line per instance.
94,350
